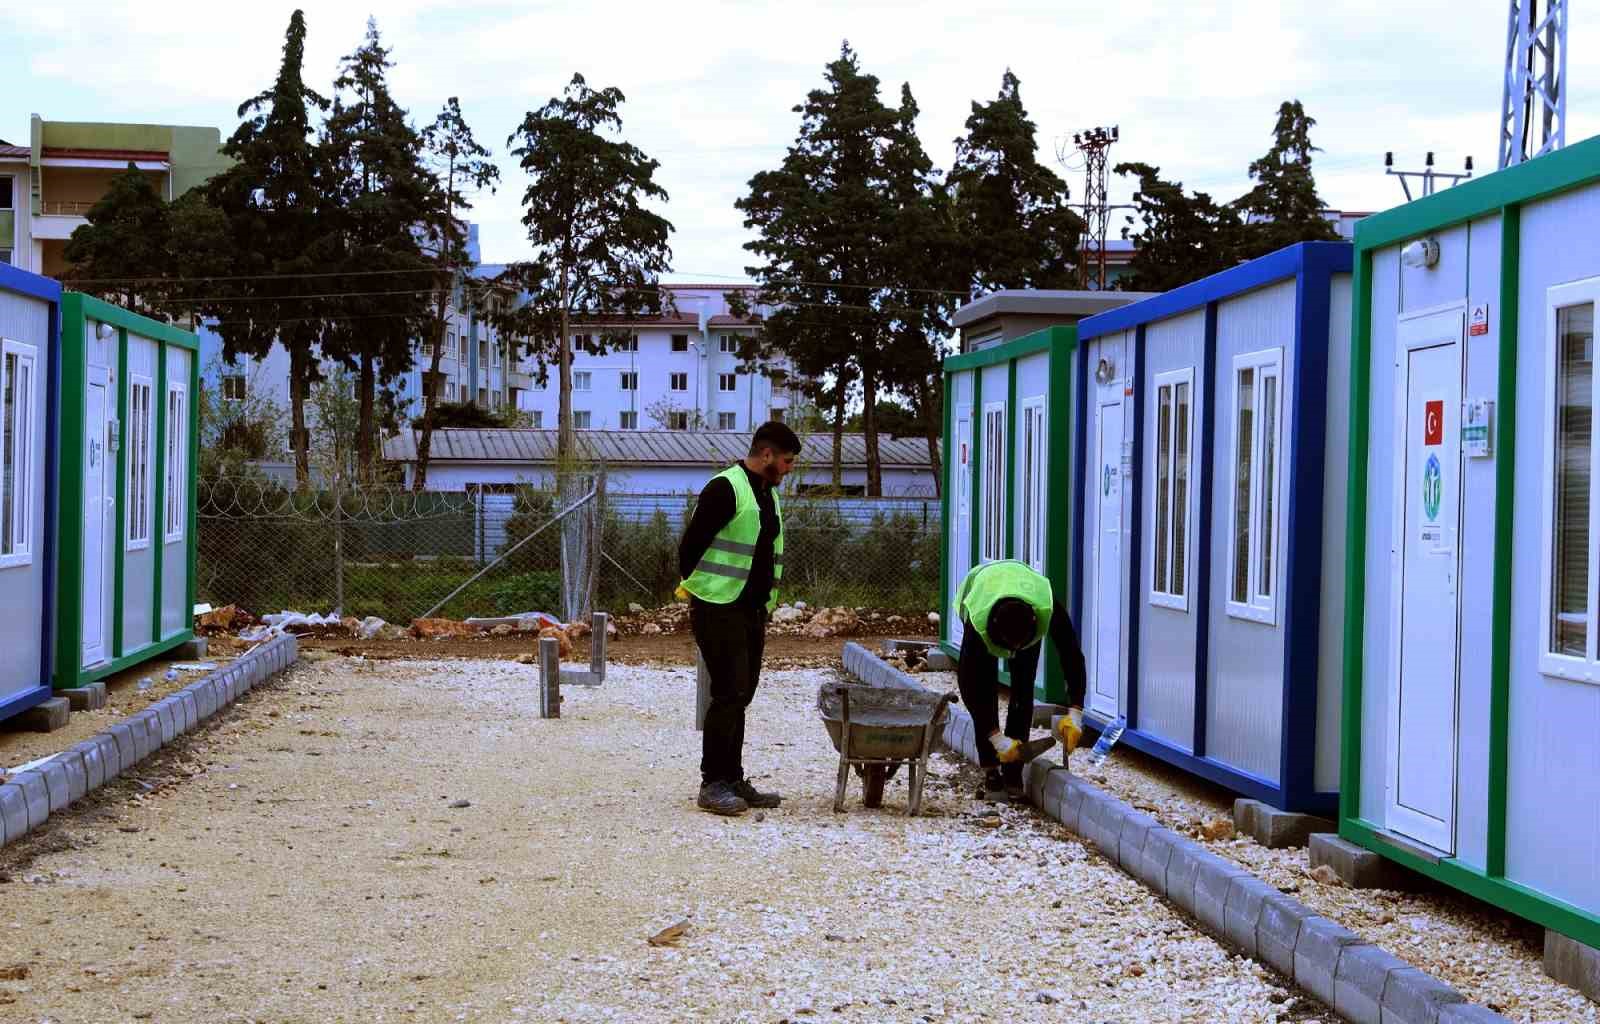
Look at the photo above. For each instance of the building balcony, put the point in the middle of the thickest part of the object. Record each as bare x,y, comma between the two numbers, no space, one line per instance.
66,207
522,381
56,227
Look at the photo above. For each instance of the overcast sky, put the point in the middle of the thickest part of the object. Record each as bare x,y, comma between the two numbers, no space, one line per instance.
710,86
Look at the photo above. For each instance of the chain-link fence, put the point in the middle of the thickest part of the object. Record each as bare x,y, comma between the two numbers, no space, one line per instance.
397,554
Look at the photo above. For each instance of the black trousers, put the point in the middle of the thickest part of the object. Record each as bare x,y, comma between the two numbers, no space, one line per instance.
731,638
978,677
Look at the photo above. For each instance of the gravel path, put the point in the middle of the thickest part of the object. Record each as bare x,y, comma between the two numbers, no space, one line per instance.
307,860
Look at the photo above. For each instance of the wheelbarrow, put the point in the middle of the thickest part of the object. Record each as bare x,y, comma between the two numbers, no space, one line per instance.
876,730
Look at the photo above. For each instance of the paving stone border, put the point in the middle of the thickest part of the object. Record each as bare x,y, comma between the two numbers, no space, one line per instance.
1362,982
32,796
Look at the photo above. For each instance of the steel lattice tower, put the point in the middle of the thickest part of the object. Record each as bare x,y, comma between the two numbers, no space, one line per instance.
1535,81
1097,215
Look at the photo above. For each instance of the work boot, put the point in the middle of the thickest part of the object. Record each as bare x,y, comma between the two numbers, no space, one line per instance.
1011,778
994,786
719,798
754,797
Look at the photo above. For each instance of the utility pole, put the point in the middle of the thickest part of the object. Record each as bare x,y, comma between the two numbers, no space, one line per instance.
1093,145
1535,81
1428,177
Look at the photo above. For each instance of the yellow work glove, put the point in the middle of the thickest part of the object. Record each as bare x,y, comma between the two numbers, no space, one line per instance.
1070,730
1006,749
681,594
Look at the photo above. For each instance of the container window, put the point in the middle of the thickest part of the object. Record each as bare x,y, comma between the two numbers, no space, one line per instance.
176,490
1570,623
1033,478
18,474
1257,450
994,478
141,423
1169,583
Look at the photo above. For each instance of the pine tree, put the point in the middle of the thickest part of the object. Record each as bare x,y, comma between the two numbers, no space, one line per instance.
1017,228
272,199
1283,207
1180,238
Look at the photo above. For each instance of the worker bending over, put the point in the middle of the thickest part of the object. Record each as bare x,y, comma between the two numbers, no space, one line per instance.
1006,610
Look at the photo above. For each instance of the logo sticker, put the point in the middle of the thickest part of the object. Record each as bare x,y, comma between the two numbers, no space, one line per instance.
1105,481
1478,325
1433,422
1432,488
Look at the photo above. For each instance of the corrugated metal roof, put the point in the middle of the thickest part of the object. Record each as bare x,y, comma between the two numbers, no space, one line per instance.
642,447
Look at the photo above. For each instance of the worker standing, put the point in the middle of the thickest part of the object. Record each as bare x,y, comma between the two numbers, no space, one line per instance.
1006,611
730,561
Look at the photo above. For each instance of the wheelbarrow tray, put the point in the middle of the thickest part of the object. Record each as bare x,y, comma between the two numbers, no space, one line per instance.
885,724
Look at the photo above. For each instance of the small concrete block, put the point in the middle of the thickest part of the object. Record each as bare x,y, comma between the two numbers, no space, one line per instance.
85,698
1136,827
1212,879
56,784
1572,963
1242,912
1278,931
192,650
13,813
36,794
47,716
1182,867
94,769
1356,866
110,755
1316,955
1276,829
1042,713
1413,997
1358,984
127,755
939,661
1244,815
1470,1013
1158,847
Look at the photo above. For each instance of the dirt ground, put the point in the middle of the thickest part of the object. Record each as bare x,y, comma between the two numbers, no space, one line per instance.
366,840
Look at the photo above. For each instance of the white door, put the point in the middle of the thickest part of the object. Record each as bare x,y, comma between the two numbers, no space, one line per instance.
1105,597
961,538
97,515
1421,782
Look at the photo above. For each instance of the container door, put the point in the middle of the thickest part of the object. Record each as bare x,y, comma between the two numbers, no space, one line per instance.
1423,687
1105,604
97,515
961,535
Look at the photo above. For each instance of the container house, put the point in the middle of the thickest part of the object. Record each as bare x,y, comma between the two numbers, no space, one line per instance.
1472,647
1008,434
128,465
1209,522
30,310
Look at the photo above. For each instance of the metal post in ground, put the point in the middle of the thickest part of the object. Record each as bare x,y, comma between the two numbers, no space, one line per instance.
597,645
338,542
549,677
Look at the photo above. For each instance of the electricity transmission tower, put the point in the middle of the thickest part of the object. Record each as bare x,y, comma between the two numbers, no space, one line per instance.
1093,145
1428,177
1535,81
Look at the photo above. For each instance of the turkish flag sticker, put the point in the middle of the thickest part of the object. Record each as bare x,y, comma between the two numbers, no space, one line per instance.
1433,423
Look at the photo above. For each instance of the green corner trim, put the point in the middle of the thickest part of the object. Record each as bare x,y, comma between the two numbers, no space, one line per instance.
120,533
98,309
69,564
1013,449
158,517
191,410
1059,455
1567,168
945,524
1504,497
1356,544
1518,899
1026,345
132,658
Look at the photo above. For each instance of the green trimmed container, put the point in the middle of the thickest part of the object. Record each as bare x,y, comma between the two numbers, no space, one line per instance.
129,457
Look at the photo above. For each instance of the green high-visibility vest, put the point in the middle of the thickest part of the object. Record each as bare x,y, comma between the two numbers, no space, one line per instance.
993,581
725,567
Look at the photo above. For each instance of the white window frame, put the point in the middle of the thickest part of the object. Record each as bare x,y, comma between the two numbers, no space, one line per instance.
141,441
672,343
1035,473
538,418
582,380
1259,607
588,419
677,417
674,378
1584,669
628,380
1163,591
628,344
727,382
175,491
731,419
25,482
728,343
244,386
626,423
992,531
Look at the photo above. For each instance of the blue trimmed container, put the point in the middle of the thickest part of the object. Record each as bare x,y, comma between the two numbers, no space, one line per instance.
1209,512
30,410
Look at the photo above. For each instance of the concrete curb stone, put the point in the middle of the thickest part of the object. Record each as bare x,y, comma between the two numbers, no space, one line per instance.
71,761
1158,847
1317,952
1213,877
1278,930
1358,984
1241,914
1412,995
94,770
36,796
110,756
54,774
13,812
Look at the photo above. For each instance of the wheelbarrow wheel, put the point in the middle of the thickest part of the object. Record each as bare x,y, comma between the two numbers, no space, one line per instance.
872,785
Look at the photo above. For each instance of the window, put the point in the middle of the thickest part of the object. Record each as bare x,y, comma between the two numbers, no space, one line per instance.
140,429
1033,477
1569,542
680,382
1169,581
580,419
483,353
727,421
450,348
582,380
176,488
5,256
8,196
726,382
728,343
19,388
994,478
677,421
680,343
1252,587
628,344
630,420
538,419
233,387
483,398
630,380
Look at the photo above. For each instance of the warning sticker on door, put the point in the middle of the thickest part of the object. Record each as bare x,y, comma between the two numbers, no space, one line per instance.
1433,422
1478,323
1432,488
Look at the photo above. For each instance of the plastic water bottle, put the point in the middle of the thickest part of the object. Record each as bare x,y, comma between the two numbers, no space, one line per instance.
171,675
1107,740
